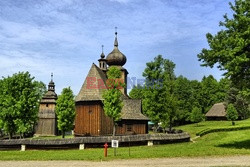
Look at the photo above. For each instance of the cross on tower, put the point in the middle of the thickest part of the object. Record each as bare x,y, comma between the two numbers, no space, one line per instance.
116,31
52,76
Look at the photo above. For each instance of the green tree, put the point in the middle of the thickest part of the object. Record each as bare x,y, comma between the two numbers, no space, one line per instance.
232,114
65,111
137,92
160,103
112,103
40,88
224,86
19,103
209,92
196,115
184,92
239,101
230,47
196,94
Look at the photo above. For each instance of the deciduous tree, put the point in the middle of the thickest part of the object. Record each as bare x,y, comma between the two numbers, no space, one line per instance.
230,47
196,115
160,103
232,114
112,96
240,102
19,102
65,111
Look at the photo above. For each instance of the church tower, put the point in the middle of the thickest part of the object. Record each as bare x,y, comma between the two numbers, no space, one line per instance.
103,62
90,116
47,125
118,59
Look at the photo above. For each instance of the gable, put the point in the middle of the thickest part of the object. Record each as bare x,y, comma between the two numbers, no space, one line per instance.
93,86
217,110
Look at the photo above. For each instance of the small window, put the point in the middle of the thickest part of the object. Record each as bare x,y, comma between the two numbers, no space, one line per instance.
129,128
47,105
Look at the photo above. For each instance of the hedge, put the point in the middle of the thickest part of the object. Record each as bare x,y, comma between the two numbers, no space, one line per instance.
224,129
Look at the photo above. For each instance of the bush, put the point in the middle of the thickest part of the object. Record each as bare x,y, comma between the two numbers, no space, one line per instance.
232,114
196,115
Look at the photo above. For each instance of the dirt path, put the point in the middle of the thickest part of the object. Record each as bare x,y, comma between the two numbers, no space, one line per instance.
173,162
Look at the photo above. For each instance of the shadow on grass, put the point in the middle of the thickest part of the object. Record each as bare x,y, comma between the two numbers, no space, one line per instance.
238,144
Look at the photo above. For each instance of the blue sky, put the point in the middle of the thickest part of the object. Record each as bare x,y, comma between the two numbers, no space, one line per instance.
65,37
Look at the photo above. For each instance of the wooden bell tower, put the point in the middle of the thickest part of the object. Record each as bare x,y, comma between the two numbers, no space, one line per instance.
47,123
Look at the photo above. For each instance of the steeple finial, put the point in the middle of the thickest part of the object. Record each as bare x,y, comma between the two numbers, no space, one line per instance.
51,86
102,55
116,41
52,76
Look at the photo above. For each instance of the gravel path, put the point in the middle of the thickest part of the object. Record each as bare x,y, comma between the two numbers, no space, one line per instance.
173,162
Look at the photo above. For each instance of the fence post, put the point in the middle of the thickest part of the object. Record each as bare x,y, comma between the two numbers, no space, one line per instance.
23,147
81,146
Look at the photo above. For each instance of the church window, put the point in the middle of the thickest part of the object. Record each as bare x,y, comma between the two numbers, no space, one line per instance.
129,127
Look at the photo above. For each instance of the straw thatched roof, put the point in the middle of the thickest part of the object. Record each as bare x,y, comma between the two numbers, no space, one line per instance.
217,110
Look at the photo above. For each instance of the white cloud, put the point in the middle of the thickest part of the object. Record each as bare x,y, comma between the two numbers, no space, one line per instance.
65,36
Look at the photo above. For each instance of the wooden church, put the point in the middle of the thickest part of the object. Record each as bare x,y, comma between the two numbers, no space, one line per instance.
90,117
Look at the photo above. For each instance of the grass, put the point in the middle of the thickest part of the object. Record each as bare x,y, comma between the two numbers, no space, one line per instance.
192,129
53,137
214,144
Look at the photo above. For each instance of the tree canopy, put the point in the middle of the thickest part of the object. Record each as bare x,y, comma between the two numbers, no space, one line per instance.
112,96
230,47
166,97
19,103
65,111
196,115
232,114
160,102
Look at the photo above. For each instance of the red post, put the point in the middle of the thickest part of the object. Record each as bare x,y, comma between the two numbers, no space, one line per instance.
106,149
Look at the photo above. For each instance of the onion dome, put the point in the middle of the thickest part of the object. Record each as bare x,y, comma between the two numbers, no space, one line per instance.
116,57
102,55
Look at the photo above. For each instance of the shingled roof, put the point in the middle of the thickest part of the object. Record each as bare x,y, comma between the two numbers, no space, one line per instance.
217,110
90,91
132,110
49,97
93,86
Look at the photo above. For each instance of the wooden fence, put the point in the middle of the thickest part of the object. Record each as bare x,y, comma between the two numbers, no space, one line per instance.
150,138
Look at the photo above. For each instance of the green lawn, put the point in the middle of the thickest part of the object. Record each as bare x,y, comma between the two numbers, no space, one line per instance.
192,129
214,144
